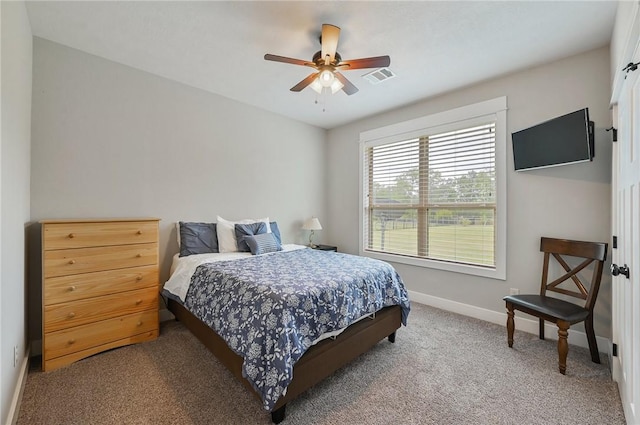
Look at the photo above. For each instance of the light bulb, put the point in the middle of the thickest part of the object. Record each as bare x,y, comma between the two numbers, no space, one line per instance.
326,77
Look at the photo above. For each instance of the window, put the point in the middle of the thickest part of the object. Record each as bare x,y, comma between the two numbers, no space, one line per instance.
434,191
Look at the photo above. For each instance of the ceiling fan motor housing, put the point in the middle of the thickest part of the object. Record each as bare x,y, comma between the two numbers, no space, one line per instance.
319,60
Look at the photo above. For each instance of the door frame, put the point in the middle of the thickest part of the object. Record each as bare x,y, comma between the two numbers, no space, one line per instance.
630,47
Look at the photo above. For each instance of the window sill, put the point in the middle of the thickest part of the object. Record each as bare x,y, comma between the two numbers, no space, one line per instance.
492,273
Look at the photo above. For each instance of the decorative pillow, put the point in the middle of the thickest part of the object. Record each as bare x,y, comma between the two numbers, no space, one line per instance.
227,232
197,238
276,231
243,230
262,243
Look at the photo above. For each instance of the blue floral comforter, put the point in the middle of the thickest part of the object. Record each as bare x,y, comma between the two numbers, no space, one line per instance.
270,308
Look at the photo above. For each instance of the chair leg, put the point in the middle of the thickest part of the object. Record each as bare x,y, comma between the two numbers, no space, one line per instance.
541,327
563,345
591,338
510,324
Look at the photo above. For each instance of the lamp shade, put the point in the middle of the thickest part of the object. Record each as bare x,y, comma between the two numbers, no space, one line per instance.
312,224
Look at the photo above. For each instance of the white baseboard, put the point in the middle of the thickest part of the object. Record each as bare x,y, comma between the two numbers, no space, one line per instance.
14,408
576,337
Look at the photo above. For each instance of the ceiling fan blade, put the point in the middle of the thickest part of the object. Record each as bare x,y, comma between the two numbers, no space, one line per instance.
374,62
330,36
304,83
284,59
348,87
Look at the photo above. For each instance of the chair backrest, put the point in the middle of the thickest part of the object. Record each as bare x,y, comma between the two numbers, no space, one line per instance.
589,251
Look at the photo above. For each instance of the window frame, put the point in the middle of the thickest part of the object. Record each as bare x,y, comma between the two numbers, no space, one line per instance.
465,116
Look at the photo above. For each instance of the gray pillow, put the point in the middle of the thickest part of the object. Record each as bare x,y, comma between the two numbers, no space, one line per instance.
198,238
263,243
243,230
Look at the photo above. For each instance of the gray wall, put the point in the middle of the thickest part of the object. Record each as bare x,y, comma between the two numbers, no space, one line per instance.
14,193
571,201
112,141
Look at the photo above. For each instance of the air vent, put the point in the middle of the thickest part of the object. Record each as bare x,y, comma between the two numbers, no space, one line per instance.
379,75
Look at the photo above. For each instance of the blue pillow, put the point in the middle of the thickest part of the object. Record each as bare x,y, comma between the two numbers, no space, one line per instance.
275,231
263,243
198,238
243,230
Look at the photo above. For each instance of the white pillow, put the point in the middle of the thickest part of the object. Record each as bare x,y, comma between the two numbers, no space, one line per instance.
227,232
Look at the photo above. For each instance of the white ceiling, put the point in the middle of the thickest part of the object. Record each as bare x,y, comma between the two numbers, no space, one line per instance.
219,46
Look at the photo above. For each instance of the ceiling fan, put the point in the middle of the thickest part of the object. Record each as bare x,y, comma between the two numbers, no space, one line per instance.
327,62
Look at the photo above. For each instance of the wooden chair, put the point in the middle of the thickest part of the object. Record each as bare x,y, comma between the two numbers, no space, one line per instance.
563,313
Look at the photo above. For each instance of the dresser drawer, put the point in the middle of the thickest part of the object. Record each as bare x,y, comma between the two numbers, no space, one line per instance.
63,289
82,337
55,363
66,315
81,235
85,260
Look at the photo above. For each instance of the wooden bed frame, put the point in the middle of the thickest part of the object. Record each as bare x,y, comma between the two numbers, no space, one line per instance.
319,362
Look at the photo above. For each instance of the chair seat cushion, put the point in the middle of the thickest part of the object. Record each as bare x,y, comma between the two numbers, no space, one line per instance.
553,307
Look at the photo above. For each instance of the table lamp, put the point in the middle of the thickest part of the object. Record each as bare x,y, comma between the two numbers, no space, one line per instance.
312,224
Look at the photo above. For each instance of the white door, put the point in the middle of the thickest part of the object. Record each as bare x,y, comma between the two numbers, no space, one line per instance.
626,258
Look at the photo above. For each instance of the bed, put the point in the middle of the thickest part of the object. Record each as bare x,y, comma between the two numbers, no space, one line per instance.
283,321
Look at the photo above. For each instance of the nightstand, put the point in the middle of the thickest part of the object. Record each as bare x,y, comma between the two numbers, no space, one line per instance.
326,248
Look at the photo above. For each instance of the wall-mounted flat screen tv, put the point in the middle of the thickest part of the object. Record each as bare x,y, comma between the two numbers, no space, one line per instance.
563,140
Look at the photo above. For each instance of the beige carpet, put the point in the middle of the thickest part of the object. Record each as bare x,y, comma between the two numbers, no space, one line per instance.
443,369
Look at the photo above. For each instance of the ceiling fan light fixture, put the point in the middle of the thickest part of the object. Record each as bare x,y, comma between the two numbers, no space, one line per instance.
326,77
318,87
336,86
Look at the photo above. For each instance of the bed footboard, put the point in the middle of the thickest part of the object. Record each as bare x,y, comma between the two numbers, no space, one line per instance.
319,362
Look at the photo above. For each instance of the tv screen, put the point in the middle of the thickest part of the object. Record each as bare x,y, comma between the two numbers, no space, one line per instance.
563,140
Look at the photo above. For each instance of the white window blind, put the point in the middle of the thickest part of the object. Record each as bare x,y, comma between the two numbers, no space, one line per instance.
434,196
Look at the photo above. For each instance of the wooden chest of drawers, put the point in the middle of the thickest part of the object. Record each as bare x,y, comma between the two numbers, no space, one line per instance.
99,286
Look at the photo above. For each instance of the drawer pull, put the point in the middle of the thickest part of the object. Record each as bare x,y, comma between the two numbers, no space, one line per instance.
138,255
72,261
72,341
139,323
72,288
139,277
139,232
138,302
71,315
72,235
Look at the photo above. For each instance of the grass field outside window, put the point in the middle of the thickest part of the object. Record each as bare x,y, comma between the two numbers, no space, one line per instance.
474,244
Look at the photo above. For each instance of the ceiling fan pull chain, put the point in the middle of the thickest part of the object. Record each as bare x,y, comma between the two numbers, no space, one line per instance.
325,95
321,99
